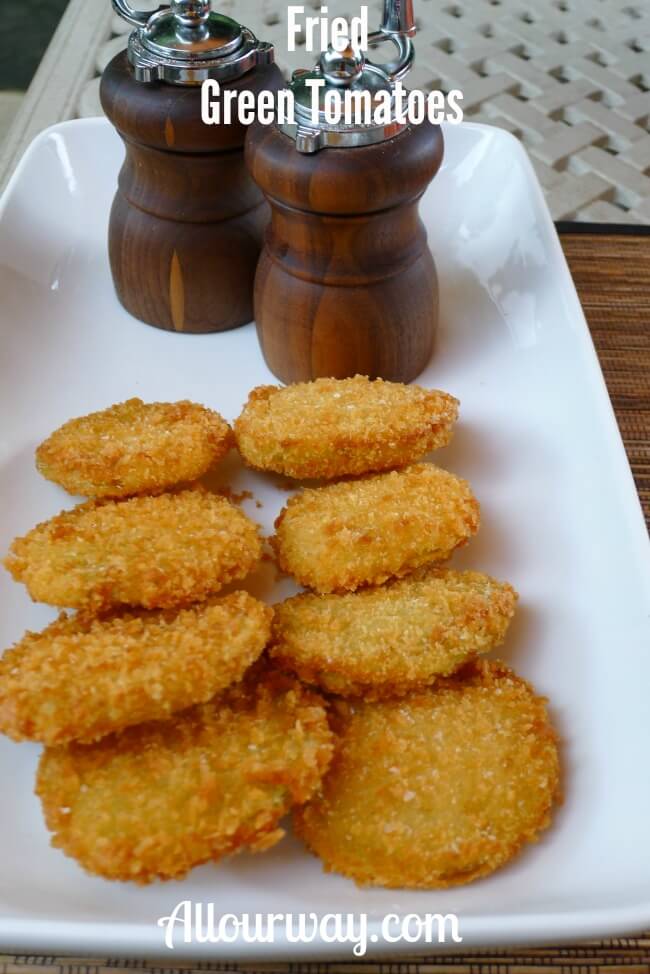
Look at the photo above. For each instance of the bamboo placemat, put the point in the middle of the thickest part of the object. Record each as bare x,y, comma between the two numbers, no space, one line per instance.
612,274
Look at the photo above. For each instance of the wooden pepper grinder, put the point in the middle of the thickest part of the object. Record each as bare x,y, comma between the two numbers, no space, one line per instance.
346,283
187,221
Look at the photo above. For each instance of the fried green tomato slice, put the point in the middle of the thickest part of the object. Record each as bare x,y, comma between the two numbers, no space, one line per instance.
438,788
151,552
85,677
335,427
389,640
363,532
134,448
153,801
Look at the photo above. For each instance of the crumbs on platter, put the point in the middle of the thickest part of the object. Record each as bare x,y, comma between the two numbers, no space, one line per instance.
181,725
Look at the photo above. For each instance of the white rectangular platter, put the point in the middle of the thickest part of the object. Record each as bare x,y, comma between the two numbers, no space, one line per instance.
561,521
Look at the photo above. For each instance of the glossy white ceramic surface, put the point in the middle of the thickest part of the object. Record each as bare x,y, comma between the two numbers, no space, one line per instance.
561,521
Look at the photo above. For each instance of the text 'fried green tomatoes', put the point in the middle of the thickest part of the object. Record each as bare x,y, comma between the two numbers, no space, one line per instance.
155,800
335,427
394,638
134,448
84,677
362,532
437,788
154,552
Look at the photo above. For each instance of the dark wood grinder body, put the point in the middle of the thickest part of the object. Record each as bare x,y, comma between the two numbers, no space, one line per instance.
346,282
187,222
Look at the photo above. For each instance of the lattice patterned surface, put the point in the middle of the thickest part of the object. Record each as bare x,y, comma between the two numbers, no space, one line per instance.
570,78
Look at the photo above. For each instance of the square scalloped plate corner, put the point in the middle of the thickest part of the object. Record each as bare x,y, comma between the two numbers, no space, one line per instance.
561,521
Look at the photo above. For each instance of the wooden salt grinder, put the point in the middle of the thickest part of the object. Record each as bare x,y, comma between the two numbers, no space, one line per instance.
187,222
346,283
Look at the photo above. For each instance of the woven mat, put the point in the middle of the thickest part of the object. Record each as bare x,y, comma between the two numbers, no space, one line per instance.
570,78
612,274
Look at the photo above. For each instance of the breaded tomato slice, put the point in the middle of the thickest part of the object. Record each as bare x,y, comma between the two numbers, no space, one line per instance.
134,448
391,639
362,532
155,800
438,788
334,427
154,552
84,677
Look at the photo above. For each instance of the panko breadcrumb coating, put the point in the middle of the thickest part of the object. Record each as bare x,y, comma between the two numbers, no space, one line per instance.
134,448
155,800
389,640
84,677
153,552
362,532
335,427
438,788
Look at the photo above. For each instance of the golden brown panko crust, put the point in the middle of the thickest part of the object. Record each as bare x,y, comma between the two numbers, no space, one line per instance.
392,639
134,448
337,427
363,532
153,552
439,788
158,799
84,677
